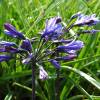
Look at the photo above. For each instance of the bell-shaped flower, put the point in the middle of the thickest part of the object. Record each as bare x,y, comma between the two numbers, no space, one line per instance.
43,75
63,41
53,29
71,47
26,45
93,31
11,31
5,43
66,58
55,63
9,49
86,20
4,58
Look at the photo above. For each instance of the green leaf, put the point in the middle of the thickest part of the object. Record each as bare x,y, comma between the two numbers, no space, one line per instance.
84,75
8,96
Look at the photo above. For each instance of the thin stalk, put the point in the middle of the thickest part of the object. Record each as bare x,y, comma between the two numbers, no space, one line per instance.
43,43
39,56
57,82
57,85
22,86
44,56
33,81
38,46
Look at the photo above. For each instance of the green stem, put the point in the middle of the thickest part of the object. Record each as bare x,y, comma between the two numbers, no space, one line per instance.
57,85
22,86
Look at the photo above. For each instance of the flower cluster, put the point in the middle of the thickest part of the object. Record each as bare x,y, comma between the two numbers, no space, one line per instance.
52,46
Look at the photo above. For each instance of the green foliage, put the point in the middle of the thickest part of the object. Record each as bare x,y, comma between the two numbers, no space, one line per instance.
29,17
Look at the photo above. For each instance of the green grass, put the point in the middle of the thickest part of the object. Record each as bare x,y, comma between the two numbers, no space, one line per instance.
29,16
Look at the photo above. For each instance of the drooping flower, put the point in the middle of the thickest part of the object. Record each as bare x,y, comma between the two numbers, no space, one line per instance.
5,58
43,75
71,47
53,29
55,63
9,49
93,31
26,44
11,31
86,20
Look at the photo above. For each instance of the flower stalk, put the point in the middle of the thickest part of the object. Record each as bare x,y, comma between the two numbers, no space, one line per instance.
33,81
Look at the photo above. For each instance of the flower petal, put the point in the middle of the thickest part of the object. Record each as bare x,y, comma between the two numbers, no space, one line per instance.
10,30
55,63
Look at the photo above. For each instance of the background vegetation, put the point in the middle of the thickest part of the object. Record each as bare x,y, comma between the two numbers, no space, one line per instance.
29,17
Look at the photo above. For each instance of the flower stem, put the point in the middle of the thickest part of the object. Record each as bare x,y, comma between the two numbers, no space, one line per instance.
33,81
57,85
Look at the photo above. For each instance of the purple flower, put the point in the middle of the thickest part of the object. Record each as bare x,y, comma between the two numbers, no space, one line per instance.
53,29
9,49
93,31
26,45
71,47
11,31
66,58
55,63
4,58
86,20
63,41
43,75
5,43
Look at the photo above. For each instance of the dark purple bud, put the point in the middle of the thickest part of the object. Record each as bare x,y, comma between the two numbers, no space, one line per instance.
4,58
43,75
53,29
86,20
28,59
58,20
75,15
5,43
76,45
10,30
55,63
26,44
66,58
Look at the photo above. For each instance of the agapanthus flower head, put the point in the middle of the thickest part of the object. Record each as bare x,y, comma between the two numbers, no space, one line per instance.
5,58
55,63
71,47
53,29
86,20
11,31
43,75
26,45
